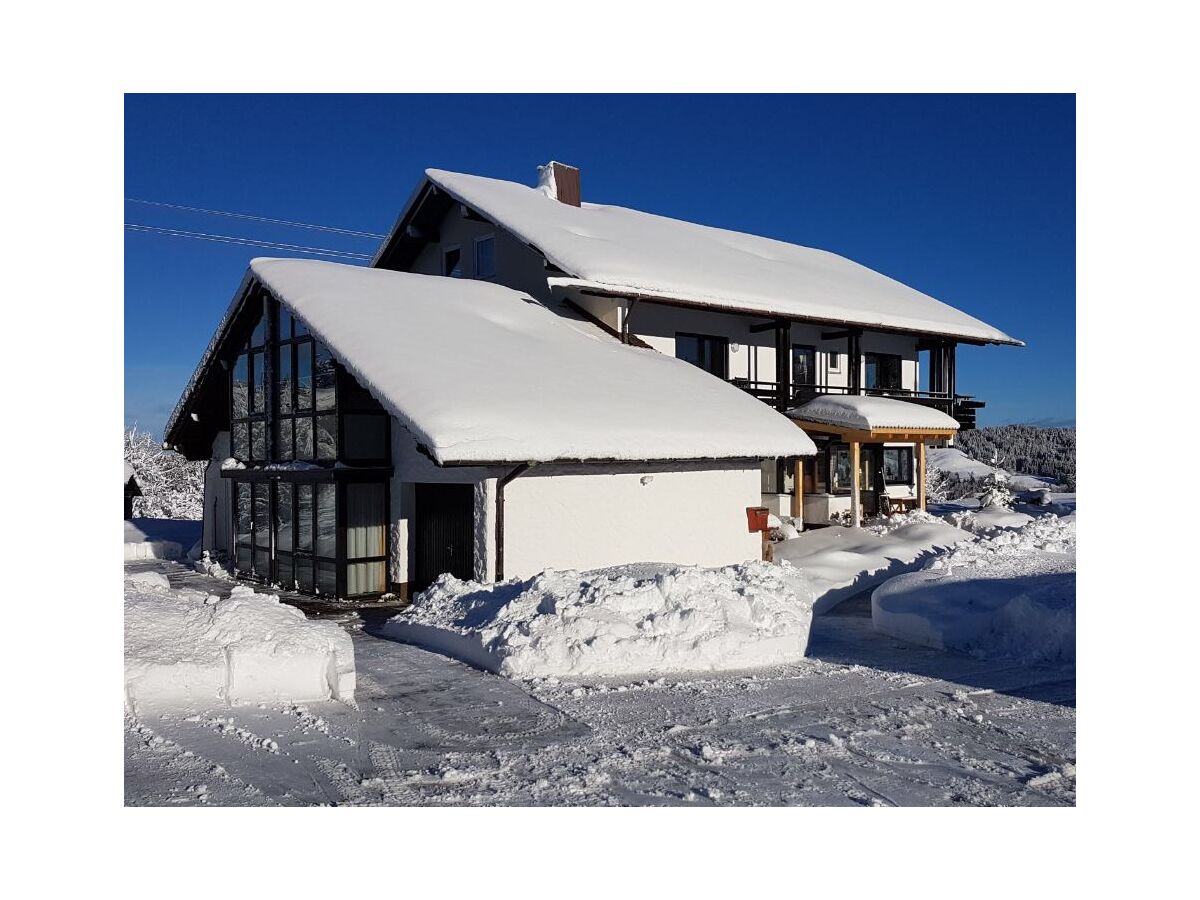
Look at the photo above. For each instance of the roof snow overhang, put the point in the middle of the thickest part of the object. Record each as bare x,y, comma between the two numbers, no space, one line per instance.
524,384
873,419
438,191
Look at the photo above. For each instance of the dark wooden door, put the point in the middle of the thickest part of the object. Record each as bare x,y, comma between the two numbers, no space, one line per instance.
445,532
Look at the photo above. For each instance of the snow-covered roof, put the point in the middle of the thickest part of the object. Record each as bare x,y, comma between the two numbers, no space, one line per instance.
481,373
624,251
129,473
871,413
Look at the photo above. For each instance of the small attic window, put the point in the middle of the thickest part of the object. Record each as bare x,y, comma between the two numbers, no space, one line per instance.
485,256
452,262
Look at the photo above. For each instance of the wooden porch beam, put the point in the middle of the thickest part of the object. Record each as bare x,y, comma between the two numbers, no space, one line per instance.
855,501
760,327
921,475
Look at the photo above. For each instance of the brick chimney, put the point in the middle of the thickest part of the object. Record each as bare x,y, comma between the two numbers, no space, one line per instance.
560,182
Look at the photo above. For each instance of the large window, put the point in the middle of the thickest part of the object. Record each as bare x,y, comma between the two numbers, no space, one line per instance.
248,400
897,465
297,527
708,352
306,426
883,371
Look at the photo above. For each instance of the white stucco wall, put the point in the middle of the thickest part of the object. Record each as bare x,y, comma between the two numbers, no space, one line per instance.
218,497
585,517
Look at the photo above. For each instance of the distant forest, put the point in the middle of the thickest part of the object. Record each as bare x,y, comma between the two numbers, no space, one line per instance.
1027,449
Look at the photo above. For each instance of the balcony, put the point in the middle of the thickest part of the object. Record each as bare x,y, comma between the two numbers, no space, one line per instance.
960,407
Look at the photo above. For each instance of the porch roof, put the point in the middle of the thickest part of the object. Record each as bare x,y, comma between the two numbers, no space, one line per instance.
864,418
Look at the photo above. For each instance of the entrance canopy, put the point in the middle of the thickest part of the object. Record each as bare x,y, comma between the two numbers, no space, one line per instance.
873,419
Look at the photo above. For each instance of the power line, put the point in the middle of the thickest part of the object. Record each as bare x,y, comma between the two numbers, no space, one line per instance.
247,242
233,215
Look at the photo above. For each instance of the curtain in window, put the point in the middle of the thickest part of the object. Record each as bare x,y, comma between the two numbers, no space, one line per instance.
365,537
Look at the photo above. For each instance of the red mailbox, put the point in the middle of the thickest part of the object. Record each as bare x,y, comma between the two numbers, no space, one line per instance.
756,518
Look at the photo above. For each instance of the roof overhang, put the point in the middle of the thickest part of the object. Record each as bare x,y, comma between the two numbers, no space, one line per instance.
878,435
600,289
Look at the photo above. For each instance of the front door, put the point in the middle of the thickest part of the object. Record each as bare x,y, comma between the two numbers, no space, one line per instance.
870,477
445,533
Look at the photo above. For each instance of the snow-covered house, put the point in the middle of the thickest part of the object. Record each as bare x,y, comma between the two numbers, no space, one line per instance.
784,323
368,430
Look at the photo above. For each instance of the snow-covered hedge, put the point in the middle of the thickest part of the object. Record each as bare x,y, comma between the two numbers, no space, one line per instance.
184,648
627,620
172,486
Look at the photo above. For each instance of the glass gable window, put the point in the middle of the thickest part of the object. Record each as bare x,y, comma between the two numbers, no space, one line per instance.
883,371
306,427
302,528
708,352
247,402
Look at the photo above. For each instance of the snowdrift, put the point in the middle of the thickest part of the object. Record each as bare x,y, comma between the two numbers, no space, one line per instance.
184,648
1009,596
622,621
840,562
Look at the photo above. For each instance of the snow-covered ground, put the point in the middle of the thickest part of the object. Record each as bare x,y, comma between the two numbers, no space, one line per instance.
840,562
629,620
959,692
864,720
191,649
1010,594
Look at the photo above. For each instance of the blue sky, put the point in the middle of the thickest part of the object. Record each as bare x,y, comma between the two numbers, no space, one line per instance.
968,198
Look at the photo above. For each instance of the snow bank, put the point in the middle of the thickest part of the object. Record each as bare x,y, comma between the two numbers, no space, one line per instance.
159,538
840,562
988,519
1009,596
187,648
622,621
604,246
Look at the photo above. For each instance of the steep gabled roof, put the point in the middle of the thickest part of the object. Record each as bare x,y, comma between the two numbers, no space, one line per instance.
480,373
611,249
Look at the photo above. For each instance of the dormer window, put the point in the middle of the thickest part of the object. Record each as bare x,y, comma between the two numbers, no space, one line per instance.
452,262
485,256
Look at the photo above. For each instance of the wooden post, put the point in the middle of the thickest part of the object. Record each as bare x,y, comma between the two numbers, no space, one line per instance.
855,503
798,489
921,475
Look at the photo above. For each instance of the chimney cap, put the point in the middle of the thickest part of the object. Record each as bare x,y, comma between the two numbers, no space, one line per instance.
560,182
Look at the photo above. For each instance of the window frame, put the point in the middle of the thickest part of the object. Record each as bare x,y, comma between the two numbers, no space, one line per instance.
812,369
867,357
446,250
477,272
722,342
905,451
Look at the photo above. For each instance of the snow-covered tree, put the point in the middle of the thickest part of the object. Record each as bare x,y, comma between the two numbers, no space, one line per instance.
172,486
